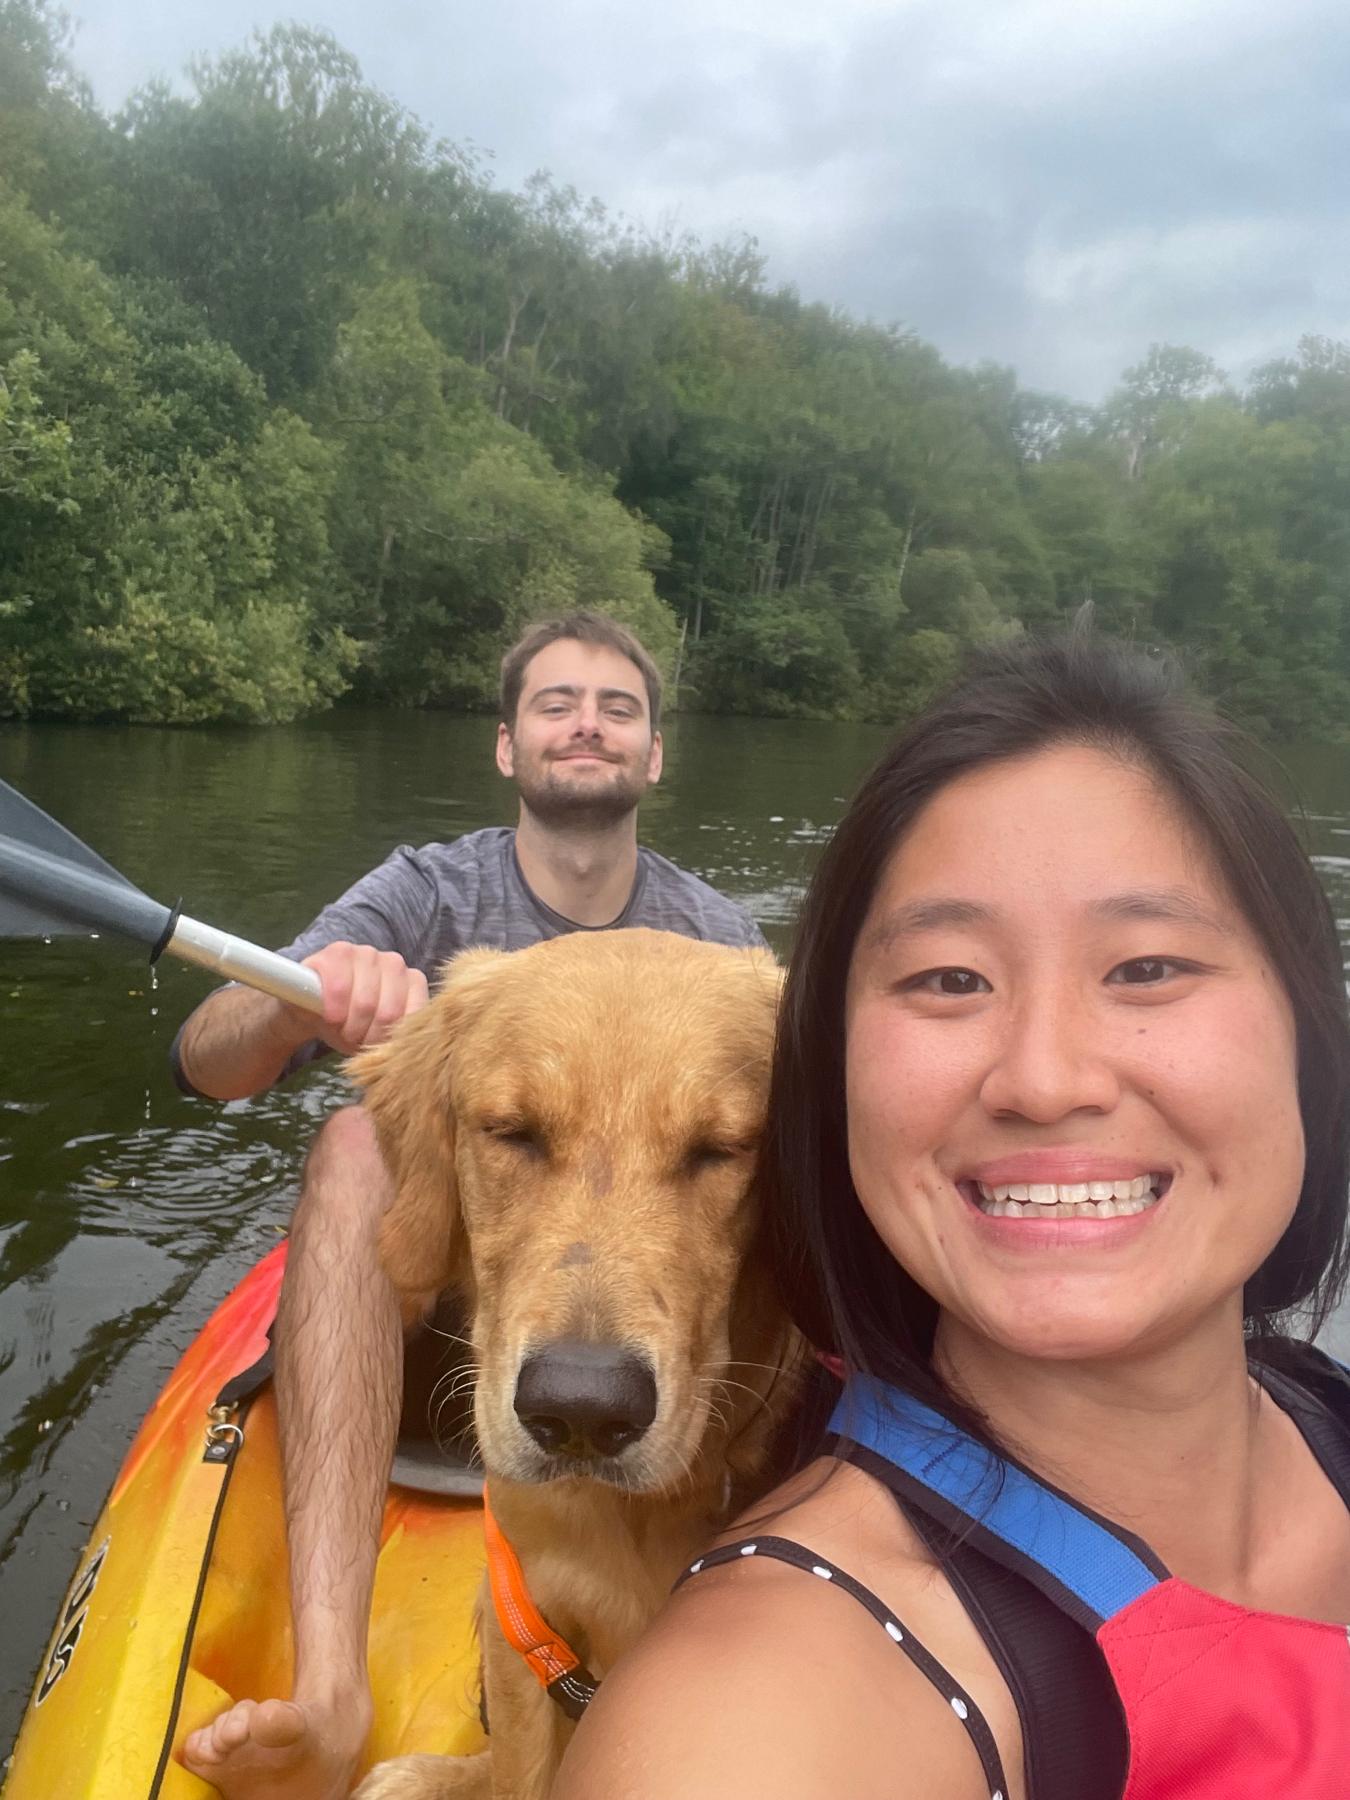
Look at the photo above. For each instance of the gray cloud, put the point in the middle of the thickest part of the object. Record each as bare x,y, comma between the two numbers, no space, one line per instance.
1048,183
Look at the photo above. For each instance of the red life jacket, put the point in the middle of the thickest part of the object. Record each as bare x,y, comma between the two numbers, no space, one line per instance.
1186,1696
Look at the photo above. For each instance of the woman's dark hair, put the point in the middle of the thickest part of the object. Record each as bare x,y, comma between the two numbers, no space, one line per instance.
843,1286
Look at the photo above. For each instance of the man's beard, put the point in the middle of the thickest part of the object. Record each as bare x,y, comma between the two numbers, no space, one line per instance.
565,803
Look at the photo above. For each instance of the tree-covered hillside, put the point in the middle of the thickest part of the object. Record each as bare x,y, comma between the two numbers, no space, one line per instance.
295,403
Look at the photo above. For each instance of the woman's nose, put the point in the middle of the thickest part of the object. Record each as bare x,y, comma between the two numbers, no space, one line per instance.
1050,1061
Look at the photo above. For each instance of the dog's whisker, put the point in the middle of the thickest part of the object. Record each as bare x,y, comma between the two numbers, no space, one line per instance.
686,1468
732,1075
451,1374
452,1386
435,1417
444,1444
461,1379
713,1401
454,1383
457,1380
724,1381
450,1446
451,1337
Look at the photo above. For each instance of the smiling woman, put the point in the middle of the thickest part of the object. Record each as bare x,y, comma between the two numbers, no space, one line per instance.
1069,1036
1060,1129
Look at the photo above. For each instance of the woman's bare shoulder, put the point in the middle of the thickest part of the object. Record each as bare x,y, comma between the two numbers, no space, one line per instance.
835,1498
757,1679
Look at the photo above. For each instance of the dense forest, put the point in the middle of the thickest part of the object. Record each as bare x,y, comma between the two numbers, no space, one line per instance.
296,404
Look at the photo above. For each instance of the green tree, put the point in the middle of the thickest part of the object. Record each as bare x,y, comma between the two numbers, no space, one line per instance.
163,551
263,197
1150,412
453,526
295,399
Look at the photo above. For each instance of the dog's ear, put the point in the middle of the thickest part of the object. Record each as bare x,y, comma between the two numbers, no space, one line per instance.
770,1359
771,974
408,1084
761,994
767,1352
768,967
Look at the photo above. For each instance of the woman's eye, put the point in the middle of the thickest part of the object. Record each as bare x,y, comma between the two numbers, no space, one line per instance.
956,982
1146,971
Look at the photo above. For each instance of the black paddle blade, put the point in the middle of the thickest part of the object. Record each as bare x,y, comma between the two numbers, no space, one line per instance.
20,819
52,885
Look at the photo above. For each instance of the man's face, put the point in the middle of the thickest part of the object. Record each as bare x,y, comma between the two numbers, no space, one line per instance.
582,749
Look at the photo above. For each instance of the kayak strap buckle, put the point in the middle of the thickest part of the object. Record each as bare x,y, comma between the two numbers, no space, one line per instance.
223,1436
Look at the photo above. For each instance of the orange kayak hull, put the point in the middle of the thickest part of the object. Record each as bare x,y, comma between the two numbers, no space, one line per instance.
179,1605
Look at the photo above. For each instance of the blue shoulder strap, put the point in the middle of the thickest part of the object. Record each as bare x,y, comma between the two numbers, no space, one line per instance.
1086,1566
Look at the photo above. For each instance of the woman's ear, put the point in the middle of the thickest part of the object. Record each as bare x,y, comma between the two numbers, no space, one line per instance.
409,1092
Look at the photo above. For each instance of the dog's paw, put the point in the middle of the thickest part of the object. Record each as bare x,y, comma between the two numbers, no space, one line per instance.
429,1778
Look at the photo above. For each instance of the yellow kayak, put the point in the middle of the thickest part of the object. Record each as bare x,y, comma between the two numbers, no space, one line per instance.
178,1606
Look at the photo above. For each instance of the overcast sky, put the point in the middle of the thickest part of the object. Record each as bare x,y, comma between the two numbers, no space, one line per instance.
1053,184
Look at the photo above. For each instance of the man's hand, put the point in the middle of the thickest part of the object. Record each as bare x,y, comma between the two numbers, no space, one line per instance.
238,1042
365,994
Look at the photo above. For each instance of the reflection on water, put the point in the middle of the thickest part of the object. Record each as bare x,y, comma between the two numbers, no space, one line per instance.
126,1211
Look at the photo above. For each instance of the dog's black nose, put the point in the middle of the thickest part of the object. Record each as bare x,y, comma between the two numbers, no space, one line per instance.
585,1400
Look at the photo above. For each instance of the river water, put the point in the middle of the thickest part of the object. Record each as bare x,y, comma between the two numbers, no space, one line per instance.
126,1211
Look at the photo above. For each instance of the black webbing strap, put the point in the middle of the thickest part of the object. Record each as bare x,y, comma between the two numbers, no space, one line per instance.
574,1691
1315,1392
247,1382
1074,1740
228,1448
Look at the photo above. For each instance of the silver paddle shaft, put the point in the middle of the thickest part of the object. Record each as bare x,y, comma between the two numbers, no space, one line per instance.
239,960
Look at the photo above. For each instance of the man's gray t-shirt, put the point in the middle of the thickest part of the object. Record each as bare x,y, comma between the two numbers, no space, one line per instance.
431,903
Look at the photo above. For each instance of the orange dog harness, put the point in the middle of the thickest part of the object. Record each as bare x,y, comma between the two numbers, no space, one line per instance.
553,1662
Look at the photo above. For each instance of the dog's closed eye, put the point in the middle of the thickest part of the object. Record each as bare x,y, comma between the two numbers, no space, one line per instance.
706,1155
516,1134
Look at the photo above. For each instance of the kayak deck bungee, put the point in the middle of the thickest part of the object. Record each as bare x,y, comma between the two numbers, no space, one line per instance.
179,1605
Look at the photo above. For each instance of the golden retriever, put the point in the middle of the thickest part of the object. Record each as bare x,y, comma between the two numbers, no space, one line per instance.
572,1132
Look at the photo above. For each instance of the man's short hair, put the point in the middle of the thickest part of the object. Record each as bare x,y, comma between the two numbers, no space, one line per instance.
584,628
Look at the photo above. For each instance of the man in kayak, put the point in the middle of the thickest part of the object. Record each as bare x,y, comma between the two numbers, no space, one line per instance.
580,738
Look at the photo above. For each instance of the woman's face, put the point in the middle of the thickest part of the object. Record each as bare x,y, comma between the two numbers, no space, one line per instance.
1071,1068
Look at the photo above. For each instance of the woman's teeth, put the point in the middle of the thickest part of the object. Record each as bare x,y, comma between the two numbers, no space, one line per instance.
1069,1199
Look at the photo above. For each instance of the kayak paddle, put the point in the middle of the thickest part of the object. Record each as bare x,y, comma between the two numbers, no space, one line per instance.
52,885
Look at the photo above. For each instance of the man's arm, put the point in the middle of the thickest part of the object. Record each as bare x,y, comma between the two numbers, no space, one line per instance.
238,1042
